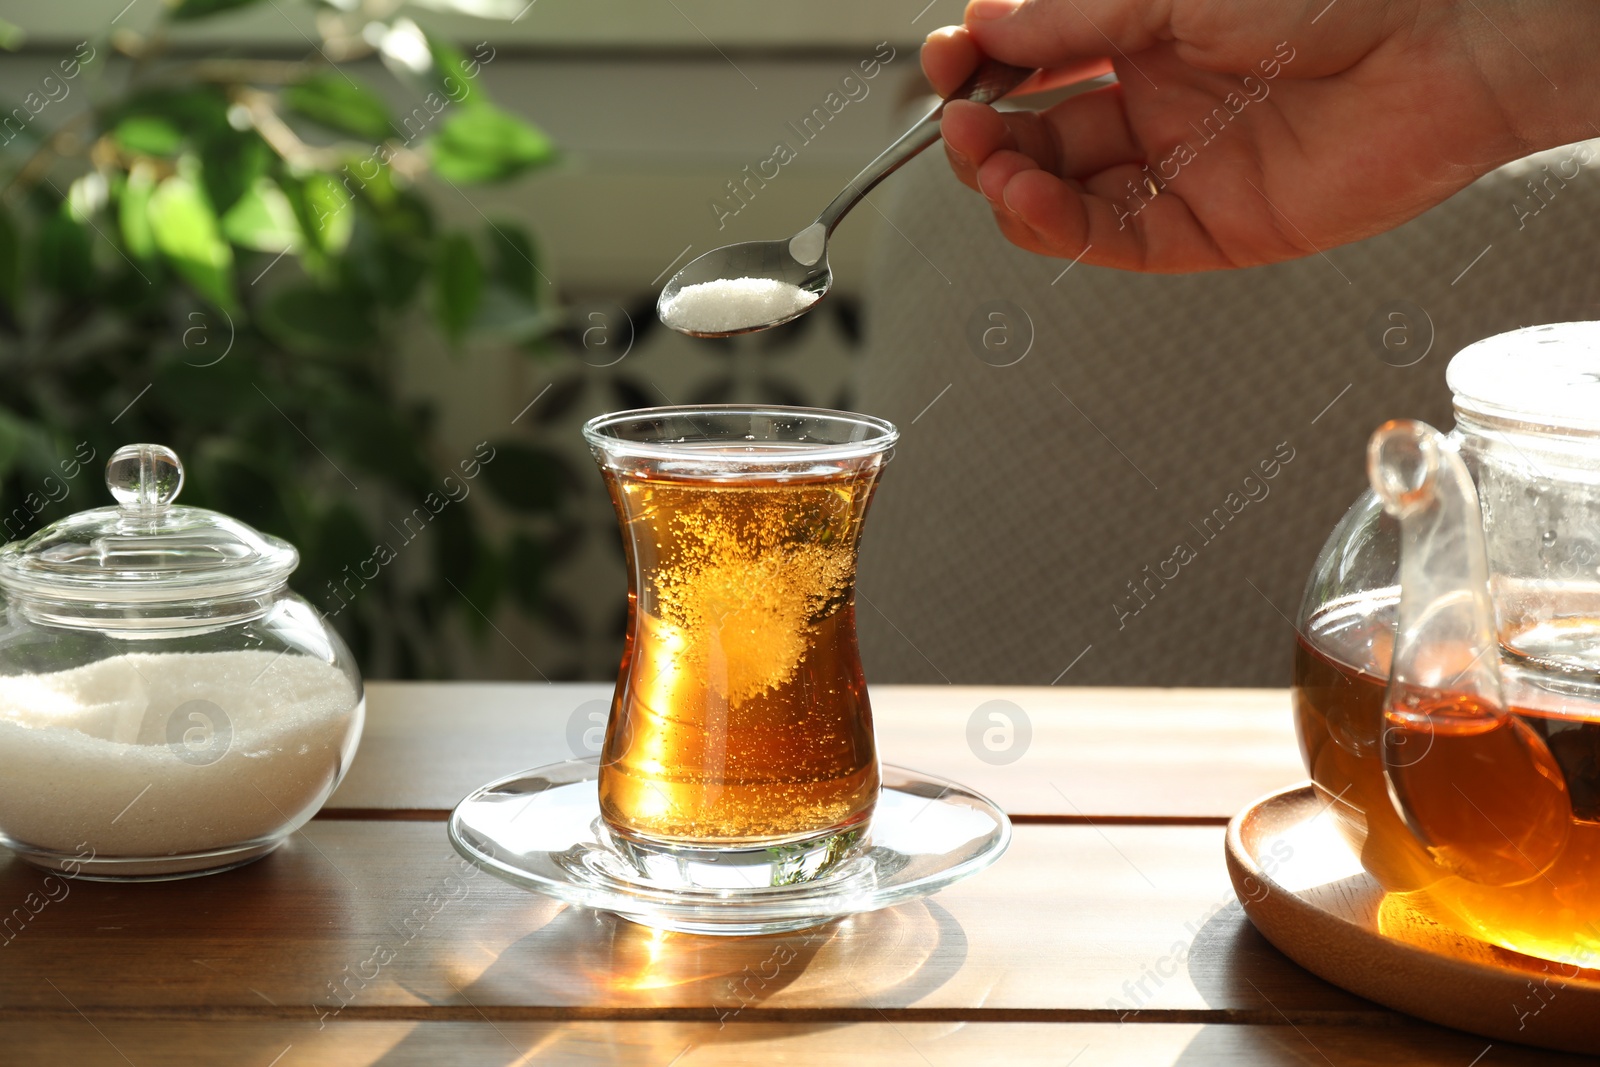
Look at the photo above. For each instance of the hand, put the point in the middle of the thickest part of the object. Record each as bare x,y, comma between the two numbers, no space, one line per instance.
1244,132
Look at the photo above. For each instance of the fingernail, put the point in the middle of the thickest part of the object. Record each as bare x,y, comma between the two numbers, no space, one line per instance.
989,9
1005,198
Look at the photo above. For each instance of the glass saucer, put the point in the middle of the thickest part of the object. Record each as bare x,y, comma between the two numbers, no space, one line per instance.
541,829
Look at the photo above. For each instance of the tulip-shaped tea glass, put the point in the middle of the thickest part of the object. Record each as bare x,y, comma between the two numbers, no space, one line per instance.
740,735
738,777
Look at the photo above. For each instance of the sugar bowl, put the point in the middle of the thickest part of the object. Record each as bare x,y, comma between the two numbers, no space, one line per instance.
168,707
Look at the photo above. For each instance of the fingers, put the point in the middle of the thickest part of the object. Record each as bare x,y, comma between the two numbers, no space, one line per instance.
1069,181
1072,73
1036,33
1097,223
1057,182
1076,138
949,57
1090,133
972,133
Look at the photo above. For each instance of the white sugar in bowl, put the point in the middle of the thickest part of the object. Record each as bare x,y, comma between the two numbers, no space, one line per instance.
168,707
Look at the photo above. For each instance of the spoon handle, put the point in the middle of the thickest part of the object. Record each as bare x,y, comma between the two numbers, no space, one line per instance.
991,81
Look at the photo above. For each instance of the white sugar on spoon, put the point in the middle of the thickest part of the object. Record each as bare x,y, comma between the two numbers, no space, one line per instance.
730,305
756,285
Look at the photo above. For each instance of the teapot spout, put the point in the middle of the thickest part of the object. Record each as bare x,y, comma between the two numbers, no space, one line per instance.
1471,780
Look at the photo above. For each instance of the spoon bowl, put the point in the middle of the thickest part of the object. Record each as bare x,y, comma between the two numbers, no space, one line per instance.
772,261
755,285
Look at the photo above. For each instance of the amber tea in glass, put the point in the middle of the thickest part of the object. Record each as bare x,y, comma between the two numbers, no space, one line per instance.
740,720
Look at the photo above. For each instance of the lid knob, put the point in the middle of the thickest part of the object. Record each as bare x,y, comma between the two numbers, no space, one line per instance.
144,477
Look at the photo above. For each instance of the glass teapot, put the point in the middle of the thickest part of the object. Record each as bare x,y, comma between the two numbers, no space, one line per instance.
1447,676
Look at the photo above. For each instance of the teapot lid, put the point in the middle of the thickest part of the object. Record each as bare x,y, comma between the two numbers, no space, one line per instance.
146,549
1539,376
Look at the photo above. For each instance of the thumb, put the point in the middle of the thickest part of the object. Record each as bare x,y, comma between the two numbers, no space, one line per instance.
1050,34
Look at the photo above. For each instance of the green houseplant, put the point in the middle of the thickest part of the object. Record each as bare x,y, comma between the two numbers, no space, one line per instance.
223,254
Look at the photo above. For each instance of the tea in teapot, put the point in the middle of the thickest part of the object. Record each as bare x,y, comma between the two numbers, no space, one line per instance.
1447,675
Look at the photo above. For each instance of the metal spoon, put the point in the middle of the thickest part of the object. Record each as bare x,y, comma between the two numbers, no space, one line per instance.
802,260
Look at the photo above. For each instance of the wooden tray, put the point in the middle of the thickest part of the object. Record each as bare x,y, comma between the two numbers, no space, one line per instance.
1305,891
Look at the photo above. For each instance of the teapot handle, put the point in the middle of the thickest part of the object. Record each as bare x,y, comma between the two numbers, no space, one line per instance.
1471,781
1445,640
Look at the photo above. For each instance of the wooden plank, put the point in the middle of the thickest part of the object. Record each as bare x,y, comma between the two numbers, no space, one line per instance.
377,920
1199,753
428,744
110,1042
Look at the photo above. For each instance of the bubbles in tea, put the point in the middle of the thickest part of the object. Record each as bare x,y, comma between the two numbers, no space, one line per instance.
745,717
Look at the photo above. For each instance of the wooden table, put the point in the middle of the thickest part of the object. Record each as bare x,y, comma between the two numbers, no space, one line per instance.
1107,935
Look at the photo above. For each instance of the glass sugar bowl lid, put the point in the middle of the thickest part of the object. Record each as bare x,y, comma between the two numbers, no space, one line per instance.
147,562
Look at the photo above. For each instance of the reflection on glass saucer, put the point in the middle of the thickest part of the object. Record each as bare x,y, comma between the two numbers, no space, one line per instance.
541,829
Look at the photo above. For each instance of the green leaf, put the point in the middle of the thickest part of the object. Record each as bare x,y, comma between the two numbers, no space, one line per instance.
234,160
330,208
370,178
64,262
516,258
485,144
397,278
263,220
199,9
526,478
14,435
409,217
458,280
187,233
341,104
454,76
199,111
148,135
133,211
10,261
309,319
386,264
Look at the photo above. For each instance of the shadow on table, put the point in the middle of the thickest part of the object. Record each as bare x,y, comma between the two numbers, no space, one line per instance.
598,964
1402,1040
1303,1019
